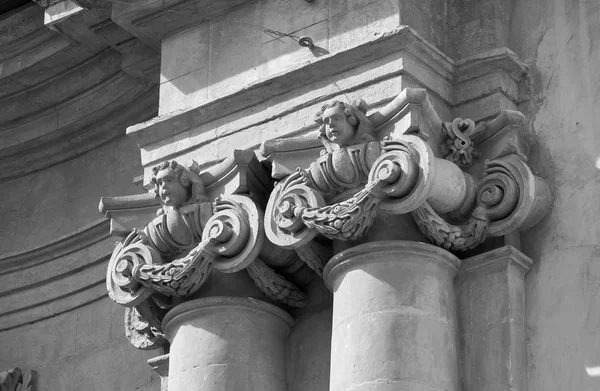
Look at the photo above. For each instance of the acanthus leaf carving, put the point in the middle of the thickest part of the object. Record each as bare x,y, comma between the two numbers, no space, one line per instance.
16,379
181,277
452,237
143,325
171,259
275,286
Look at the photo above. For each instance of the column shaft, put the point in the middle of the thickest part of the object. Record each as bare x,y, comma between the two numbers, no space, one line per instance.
394,318
227,343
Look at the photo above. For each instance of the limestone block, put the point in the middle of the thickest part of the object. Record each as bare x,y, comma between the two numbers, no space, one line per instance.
283,54
235,48
491,302
292,16
475,29
350,29
184,92
185,52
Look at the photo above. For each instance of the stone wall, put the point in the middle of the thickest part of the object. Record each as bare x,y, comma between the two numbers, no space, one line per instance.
82,345
52,203
55,317
82,349
230,53
560,40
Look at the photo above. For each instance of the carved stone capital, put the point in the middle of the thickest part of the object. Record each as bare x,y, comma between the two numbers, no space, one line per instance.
462,181
154,269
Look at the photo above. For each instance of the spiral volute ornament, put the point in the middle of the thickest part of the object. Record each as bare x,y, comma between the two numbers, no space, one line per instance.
235,233
406,171
283,227
121,284
512,197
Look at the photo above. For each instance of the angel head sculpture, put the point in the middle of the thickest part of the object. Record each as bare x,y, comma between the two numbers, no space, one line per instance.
344,124
176,185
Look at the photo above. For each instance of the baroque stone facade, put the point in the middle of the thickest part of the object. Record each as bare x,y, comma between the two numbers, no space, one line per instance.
334,195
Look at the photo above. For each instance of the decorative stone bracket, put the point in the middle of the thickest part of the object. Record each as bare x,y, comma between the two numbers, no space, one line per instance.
462,181
231,242
156,268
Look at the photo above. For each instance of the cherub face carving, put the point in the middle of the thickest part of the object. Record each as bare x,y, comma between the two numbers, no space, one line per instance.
338,128
170,190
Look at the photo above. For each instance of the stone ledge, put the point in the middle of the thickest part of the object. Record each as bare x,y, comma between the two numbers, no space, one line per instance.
152,21
491,258
78,240
401,39
477,87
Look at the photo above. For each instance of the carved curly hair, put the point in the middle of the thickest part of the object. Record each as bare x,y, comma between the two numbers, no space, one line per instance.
182,176
346,108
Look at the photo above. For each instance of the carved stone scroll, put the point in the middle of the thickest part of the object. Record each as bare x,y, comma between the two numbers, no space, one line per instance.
235,231
398,180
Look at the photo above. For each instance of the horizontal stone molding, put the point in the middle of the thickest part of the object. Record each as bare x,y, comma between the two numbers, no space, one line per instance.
152,21
51,308
389,63
64,245
345,259
55,277
502,255
64,92
317,70
208,304
76,138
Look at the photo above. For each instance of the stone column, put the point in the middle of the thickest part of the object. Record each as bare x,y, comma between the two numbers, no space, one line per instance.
491,303
227,343
394,318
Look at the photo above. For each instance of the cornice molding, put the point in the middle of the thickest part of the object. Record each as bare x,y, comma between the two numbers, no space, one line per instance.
64,96
495,76
76,241
54,277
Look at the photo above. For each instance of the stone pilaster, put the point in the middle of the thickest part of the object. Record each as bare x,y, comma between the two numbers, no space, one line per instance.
491,301
160,365
227,343
394,317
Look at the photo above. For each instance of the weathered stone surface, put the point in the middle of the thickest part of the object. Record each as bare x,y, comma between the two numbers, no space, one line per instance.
556,40
160,365
225,343
491,308
394,317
